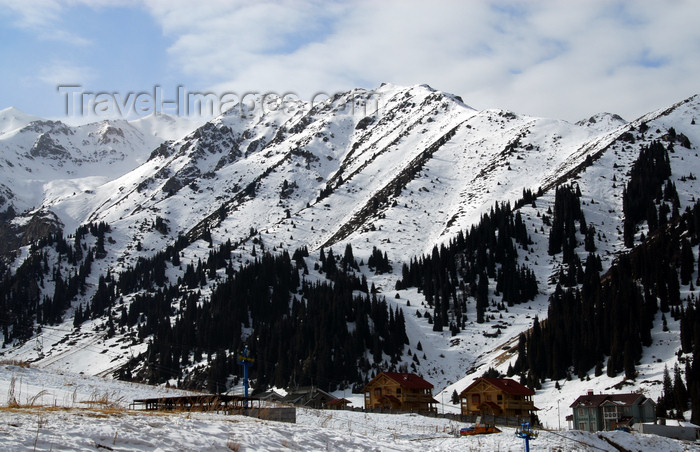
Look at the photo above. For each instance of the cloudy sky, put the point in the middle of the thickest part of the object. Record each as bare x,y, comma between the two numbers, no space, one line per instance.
564,59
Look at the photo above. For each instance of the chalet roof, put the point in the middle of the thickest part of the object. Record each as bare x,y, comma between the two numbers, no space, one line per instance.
269,395
596,400
405,380
507,385
306,393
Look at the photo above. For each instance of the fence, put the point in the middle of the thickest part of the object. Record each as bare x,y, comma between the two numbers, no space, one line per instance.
466,418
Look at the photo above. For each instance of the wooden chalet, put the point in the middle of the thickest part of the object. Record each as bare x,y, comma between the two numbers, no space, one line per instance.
400,392
308,396
338,404
498,397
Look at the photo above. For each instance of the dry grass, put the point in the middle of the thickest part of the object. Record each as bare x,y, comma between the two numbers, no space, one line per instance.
234,446
37,409
15,362
106,400
11,397
505,355
31,401
14,396
94,412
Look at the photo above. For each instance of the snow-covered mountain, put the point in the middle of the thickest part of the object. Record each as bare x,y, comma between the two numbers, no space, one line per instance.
12,119
43,161
399,168
365,167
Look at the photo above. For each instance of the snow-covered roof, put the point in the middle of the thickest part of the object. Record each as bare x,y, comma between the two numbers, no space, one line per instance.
507,385
677,423
594,400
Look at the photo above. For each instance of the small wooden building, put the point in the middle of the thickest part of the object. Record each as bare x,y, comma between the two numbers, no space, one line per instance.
219,403
400,392
498,397
308,396
338,404
225,403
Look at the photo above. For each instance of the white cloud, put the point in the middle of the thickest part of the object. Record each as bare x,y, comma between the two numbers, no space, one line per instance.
34,14
548,58
63,73
42,17
563,59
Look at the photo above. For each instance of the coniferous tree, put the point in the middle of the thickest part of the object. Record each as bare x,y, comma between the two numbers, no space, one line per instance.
482,293
647,176
687,263
455,397
680,392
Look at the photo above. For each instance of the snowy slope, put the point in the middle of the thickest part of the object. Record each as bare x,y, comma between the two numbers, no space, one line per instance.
12,119
64,411
402,168
164,127
601,186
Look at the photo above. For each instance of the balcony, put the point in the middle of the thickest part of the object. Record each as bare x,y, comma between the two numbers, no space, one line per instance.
518,405
413,398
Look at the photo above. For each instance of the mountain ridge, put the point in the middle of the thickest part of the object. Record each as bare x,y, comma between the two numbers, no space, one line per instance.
405,178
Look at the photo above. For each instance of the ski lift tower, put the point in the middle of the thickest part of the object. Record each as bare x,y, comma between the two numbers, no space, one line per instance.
246,361
526,433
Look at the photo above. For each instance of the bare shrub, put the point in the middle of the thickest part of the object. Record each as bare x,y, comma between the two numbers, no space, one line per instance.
15,362
11,398
31,401
234,446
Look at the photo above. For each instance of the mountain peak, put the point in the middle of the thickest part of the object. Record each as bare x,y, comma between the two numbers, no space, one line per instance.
602,121
12,118
392,89
165,126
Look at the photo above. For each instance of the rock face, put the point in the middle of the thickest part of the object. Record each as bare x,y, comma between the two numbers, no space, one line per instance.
45,147
39,226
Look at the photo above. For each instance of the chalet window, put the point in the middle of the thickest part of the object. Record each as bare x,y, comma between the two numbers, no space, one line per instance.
581,412
488,397
398,391
377,392
582,426
499,397
610,412
476,398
